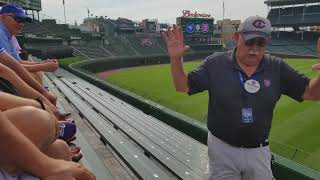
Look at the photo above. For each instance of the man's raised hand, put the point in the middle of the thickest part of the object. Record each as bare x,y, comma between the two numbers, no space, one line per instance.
173,38
316,67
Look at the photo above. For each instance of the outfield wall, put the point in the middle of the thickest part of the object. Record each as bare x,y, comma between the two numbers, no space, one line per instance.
295,56
101,65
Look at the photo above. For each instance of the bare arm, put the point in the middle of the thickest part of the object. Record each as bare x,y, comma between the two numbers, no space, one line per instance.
32,67
25,90
8,61
180,78
45,67
175,45
43,61
27,62
312,91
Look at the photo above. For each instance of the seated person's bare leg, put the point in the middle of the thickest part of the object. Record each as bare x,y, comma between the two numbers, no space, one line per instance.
37,76
41,128
59,177
59,149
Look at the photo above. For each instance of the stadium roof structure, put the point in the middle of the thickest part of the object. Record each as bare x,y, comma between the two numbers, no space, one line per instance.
26,4
289,2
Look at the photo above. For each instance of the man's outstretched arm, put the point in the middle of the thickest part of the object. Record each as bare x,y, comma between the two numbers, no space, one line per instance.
176,48
312,91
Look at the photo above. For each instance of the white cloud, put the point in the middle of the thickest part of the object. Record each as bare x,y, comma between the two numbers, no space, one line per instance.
164,10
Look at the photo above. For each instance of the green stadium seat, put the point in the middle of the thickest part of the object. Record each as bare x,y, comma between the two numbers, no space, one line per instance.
178,154
134,158
90,160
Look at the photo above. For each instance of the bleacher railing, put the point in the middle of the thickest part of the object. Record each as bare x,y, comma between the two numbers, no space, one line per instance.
295,154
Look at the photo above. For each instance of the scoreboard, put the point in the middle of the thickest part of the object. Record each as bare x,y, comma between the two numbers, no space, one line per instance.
196,30
26,4
196,26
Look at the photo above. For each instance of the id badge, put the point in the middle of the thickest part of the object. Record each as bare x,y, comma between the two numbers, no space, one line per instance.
247,116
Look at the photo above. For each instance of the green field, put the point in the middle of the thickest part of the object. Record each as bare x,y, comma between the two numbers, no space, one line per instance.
296,126
66,61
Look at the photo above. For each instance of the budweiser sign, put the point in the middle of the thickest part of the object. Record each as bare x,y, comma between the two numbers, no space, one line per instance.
188,13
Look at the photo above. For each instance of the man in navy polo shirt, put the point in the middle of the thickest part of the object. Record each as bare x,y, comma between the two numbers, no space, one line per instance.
244,87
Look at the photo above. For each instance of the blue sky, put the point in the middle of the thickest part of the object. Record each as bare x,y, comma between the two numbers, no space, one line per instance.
164,10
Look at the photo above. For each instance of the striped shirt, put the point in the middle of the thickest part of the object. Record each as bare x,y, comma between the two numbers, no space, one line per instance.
2,50
7,41
5,85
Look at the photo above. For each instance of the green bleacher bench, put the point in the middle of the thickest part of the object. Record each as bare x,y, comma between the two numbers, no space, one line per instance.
150,148
143,167
90,158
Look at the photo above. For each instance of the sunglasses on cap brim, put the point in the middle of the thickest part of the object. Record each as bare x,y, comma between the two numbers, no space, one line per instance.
19,19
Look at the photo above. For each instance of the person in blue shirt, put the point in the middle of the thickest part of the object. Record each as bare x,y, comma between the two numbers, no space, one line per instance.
12,20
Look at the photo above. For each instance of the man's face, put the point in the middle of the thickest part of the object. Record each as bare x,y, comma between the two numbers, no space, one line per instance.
13,23
250,52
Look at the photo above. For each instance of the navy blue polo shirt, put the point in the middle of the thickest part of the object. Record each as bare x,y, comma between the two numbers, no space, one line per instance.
219,74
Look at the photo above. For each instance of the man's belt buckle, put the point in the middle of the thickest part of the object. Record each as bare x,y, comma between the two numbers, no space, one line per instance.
258,145
261,145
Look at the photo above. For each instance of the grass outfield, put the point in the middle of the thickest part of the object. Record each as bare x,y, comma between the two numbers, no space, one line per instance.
295,124
66,61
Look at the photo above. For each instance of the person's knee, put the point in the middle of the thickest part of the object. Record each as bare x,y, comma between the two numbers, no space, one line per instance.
59,150
36,124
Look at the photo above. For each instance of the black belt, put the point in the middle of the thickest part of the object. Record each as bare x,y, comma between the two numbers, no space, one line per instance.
253,145
238,143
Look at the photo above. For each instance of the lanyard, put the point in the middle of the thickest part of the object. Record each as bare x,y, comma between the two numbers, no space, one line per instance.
245,94
243,79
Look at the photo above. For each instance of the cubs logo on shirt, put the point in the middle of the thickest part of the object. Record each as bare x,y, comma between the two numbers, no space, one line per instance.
267,83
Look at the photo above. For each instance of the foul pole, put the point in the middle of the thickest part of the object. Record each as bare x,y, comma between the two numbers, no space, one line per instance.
64,11
222,24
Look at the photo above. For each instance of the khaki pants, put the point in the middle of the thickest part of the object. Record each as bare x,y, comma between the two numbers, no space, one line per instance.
227,162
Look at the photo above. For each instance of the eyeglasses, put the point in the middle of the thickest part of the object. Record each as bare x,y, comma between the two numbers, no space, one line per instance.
258,41
18,19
